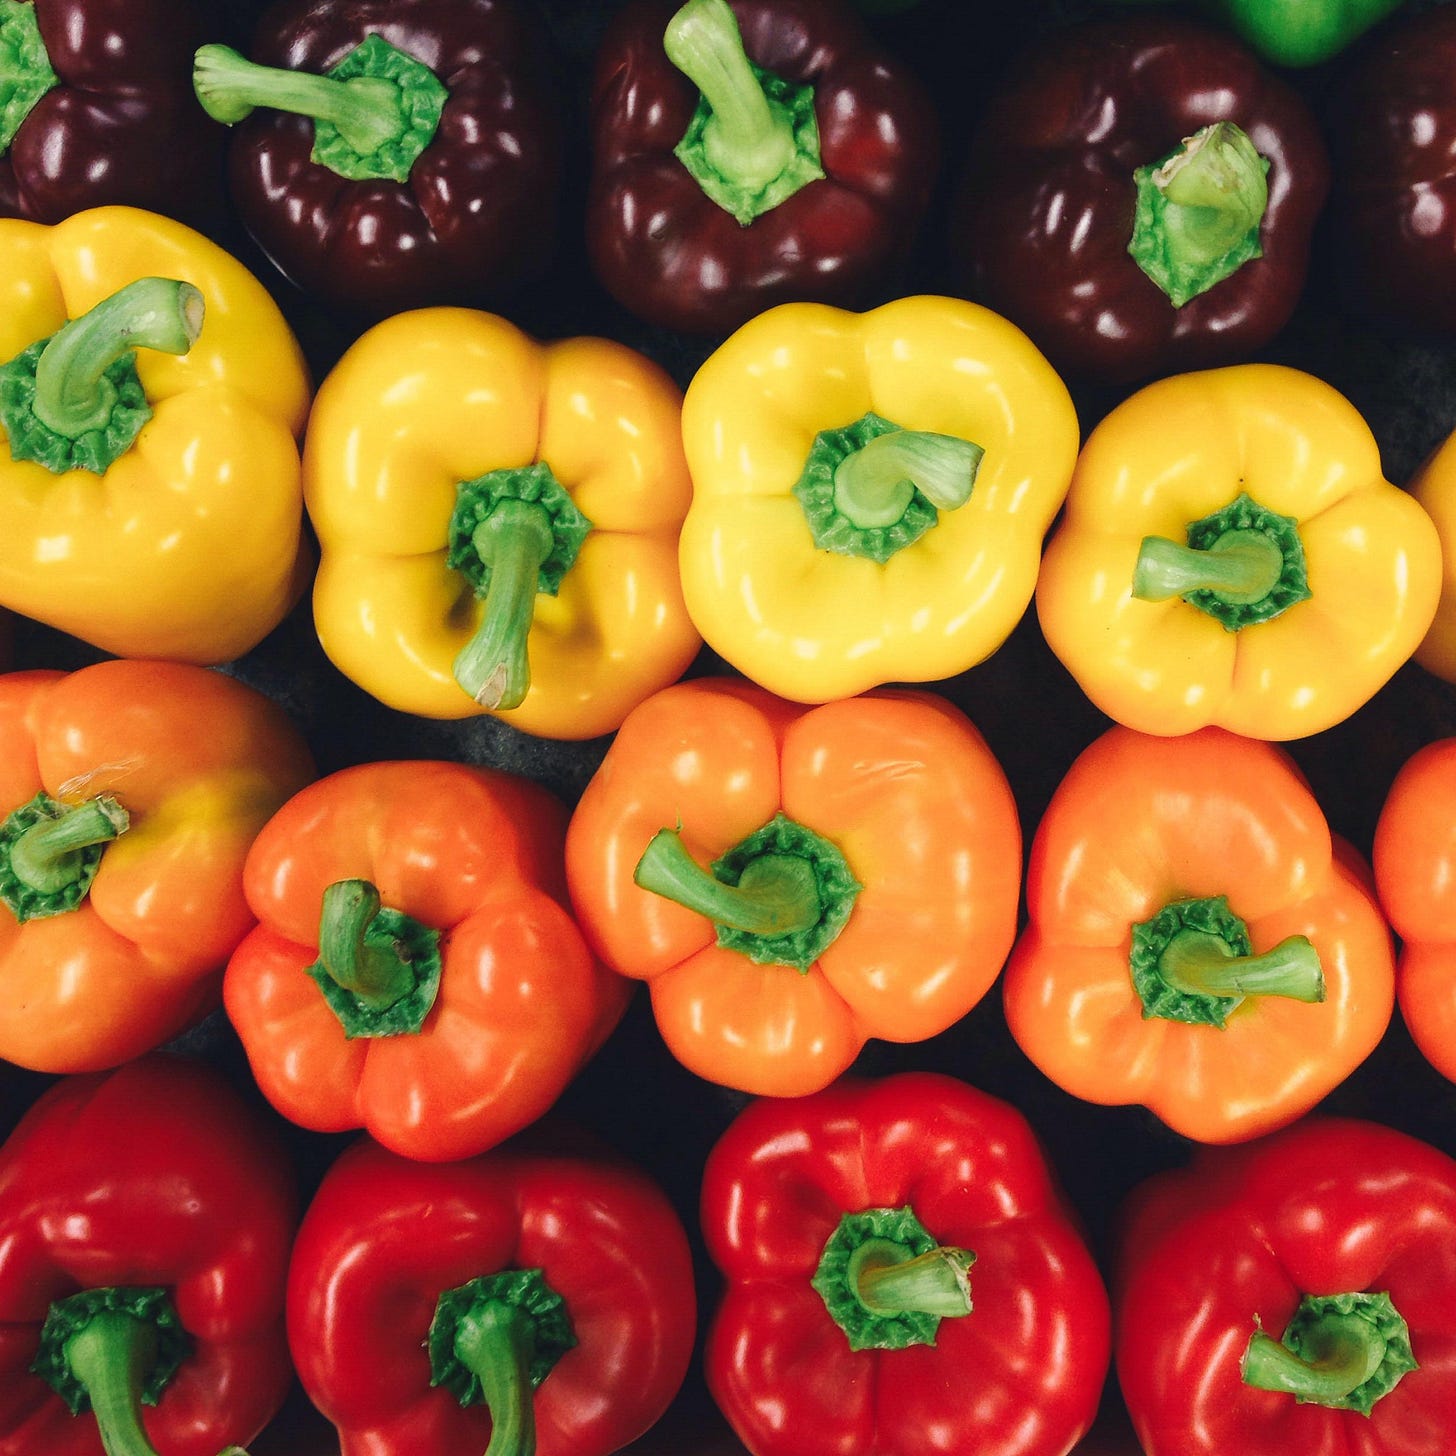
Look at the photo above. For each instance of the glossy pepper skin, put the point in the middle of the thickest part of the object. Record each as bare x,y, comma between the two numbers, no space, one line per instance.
468,219
1414,855
1396,207
1435,488
181,767
671,254
1047,200
813,622
1300,32
1318,1221
430,431
385,1238
1020,1373
113,119
1196,941
895,801
158,1179
415,971
189,544
1231,553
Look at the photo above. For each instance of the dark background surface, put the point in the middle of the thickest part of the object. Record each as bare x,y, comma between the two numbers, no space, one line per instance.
1031,712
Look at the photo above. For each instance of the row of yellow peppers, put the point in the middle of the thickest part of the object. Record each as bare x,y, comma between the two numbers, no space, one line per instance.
549,531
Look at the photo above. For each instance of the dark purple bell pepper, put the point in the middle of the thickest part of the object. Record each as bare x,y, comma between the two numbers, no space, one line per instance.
392,154
1140,199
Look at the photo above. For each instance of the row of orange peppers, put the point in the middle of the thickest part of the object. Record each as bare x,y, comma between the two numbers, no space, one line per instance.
550,531
432,951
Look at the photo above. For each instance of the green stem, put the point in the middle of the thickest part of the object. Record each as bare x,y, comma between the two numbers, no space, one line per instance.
367,110
45,858
873,485
110,1356
1198,963
513,542
1241,567
1216,191
776,894
496,1343
72,395
890,1281
747,140
374,973
1349,1351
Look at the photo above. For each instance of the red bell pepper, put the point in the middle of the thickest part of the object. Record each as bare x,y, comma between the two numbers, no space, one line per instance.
1296,1294
416,971
1415,872
903,1278
393,153
1140,199
130,793
751,154
96,107
1396,207
146,1219
538,1298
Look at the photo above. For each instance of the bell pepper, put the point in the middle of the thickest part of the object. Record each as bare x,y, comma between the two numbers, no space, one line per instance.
499,522
146,1219
538,1297
870,492
902,1276
393,153
130,793
1140,198
1197,942
1296,1294
751,154
1231,553
415,970
1299,32
150,499
96,108
1395,214
1435,488
791,882
1414,857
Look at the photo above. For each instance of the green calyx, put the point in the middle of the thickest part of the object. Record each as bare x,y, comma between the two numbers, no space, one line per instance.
1199,211
1242,565
781,896
25,67
1343,1351
1193,962
887,1283
74,401
753,140
111,1351
374,113
514,534
494,1340
378,969
50,852
871,488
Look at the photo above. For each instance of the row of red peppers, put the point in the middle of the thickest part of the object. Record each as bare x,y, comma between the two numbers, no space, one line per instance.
432,951
395,155
902,1276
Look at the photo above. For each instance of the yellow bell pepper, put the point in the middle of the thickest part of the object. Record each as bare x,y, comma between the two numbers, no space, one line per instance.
870,492
1232,554
1435,488
168,521
498,523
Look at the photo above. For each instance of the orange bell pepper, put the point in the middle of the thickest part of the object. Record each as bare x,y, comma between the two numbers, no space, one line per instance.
1197,941
415,971
130,792
1415,872
865,868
